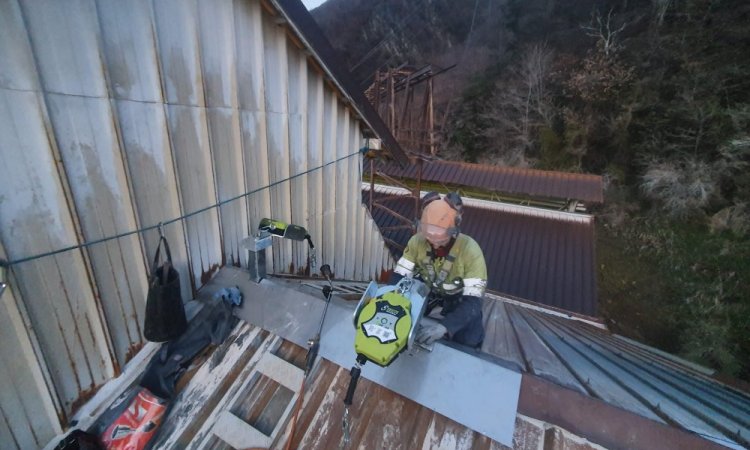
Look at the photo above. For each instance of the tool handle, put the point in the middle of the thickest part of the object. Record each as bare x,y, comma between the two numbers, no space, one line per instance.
352,385
312,354
325,269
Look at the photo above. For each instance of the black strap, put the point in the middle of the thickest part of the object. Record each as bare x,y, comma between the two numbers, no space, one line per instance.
158,251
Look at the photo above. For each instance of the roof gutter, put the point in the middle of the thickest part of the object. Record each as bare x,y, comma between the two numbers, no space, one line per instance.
312,36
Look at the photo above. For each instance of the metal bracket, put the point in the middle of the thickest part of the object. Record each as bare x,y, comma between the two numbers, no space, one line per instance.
256,254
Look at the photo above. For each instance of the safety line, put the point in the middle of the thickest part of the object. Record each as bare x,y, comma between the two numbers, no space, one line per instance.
167,222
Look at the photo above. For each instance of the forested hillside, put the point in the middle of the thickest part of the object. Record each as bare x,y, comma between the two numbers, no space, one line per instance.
653,95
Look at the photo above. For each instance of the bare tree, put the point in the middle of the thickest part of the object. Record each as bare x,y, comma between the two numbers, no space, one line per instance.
603,30
520,106
660,9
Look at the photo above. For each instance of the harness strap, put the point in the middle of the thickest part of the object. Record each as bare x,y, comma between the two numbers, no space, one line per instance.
429,264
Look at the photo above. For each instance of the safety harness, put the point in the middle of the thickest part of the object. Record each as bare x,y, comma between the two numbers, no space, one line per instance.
437,281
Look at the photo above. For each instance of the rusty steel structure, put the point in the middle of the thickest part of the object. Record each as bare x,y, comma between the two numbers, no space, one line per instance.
403,97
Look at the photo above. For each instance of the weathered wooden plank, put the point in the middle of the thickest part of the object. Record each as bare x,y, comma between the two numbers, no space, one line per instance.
145,139
18,70
279,370
91,155
189,137
130,48
201,395
66,47
238,433
64,311
238,389
179,51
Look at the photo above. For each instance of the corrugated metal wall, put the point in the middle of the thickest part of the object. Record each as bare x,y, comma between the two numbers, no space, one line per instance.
118,115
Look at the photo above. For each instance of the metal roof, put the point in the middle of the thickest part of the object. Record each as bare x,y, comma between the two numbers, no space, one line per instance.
309,31
535,257
591,360
509,180
615,393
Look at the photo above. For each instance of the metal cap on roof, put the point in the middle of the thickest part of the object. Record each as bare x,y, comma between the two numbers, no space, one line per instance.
510,180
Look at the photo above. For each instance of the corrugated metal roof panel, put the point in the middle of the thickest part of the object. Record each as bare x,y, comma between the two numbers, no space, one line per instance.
509,180
633,377
612,371
540,259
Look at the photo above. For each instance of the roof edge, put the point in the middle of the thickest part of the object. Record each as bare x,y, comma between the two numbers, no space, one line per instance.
495,206
309,32
546,309
600,422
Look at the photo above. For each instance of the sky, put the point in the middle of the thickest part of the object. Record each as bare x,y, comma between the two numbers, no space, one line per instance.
312,3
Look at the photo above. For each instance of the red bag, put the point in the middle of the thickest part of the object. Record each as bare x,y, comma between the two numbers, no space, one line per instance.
133,429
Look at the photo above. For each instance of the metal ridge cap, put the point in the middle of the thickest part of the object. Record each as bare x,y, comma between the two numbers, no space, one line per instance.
496,206
593,321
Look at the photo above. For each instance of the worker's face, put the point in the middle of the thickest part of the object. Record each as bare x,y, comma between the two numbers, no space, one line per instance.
436,235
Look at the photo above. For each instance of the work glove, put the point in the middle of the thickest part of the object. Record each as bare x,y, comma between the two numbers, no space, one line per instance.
430,332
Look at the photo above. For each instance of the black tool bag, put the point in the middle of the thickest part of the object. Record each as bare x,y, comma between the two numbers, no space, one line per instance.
165,313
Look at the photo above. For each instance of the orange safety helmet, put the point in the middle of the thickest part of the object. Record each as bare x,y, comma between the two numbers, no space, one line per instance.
441,217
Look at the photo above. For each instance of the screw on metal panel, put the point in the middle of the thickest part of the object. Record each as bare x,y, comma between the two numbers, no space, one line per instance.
3,272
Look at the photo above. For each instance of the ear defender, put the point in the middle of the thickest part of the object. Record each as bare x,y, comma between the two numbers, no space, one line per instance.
453,199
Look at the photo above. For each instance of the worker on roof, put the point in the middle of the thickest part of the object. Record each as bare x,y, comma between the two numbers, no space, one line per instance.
452,265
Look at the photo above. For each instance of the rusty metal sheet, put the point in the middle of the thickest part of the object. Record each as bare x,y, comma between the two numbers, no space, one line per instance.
217,50
253,130
195,175
179,50
298,152
342,223
145,139
330,112
35,218
18,70
226,145
93,162
275,66
248,27
65,42
29,410
315,181
130,49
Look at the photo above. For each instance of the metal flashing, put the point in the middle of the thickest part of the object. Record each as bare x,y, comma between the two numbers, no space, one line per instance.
482,397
